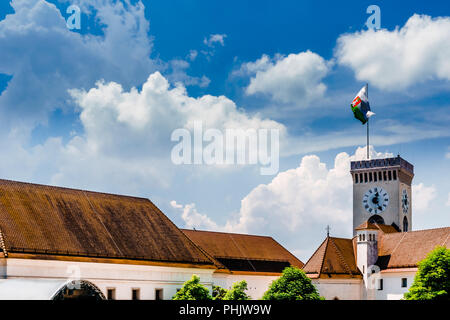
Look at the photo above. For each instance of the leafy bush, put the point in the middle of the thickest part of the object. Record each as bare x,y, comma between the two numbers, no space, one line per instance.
193,290
218,293
237,292
432,281
292,285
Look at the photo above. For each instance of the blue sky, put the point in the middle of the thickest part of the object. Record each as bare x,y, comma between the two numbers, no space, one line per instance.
290,64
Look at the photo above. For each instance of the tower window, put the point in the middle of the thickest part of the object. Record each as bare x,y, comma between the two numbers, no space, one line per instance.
375,176
384,176
356,178
395,174
361,178
405,224
365,176
370,176
390,175
360,237
379,176
364,237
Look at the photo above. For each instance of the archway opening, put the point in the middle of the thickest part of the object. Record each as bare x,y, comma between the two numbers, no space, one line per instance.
79,290
405,224
376,219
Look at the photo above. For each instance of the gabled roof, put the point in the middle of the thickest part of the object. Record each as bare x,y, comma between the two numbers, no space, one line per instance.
46,220
335,258
366,226
406,249
244,252
375,226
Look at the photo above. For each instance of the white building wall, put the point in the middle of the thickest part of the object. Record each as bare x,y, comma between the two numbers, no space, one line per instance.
257,285
122,277
392,285
342,289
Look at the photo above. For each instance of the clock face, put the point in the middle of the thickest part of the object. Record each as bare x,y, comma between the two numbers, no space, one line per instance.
375,200
405,201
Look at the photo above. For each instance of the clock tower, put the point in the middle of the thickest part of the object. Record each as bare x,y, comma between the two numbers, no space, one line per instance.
382,192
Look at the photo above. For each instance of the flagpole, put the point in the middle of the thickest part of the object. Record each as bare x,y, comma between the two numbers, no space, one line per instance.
367,92
367,139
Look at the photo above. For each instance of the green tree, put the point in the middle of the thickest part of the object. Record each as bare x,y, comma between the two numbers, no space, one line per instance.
292,285
237,292
432,280
193,290
218,293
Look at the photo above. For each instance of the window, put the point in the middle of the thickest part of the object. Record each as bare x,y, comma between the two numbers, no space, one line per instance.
375,176
380,284
158,294
370,176
404,282
361,178
395,174
135,294
364,237
380,176
384,176
405,224
365,176
360,238
356,178
390,175
111,294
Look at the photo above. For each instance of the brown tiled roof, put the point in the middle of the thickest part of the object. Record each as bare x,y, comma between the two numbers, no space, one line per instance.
366,225
335,258
60,221
244,252
406,249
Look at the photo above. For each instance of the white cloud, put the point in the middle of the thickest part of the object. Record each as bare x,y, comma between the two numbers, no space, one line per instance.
45,58
395,60
194,219
422,196
178,73
215,38
305,198
296,78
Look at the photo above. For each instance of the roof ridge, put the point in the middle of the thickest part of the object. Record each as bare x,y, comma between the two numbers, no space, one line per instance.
327,240
73,189
341,258
228,233
398,243
315,252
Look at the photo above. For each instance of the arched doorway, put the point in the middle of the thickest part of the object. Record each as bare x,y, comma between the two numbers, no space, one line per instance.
376,219
79,290
405,224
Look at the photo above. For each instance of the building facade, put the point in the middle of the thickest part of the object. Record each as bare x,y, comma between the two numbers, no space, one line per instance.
380,261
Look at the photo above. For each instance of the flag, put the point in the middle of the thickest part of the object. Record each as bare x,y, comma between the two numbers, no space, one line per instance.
360,106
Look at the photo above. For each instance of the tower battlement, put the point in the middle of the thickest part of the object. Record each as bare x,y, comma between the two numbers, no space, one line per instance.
397,162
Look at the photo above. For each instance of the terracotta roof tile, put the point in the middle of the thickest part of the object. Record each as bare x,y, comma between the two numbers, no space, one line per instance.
54,220
334,258
406,249
230,248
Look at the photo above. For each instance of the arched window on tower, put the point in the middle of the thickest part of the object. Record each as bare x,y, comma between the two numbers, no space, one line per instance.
405,224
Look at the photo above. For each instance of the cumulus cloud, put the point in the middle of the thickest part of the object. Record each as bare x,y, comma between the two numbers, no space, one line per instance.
296,78
213,39
45,58
307,197
394,60
422,197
